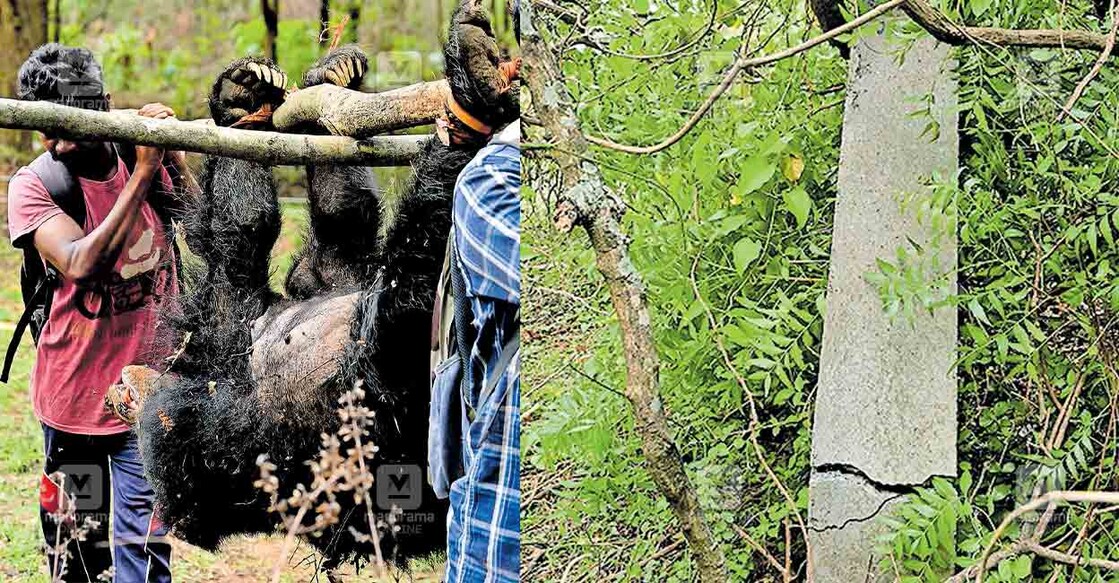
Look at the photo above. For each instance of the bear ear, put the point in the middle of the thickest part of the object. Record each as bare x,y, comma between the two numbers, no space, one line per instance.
472,12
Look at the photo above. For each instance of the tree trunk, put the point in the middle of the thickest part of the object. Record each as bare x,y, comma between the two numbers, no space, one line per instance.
355,21
324,23
587,201
270,8
23,27
885,418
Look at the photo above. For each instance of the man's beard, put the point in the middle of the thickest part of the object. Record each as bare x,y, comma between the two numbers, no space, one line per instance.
85,155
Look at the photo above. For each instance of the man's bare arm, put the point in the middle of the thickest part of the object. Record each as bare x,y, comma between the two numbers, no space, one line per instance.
186,187
80,257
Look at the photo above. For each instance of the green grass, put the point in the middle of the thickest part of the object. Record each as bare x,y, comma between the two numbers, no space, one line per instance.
21,446
20,461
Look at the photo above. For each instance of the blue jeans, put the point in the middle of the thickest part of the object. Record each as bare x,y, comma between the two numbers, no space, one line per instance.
102,472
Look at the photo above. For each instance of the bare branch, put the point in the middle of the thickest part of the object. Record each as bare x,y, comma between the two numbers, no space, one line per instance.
937,25
272,148
1032,542
740,65
1069,559
1104,56
944,30
1043,500
762,551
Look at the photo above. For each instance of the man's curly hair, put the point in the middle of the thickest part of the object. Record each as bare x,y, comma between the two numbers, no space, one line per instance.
64,75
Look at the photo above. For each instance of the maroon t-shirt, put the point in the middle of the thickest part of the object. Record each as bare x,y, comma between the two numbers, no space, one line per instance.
95,329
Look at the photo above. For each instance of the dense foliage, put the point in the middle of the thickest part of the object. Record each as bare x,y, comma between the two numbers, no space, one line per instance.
747,196
746,201
1038,298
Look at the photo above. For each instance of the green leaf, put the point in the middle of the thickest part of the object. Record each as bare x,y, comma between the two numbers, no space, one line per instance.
965,482
746,250
1073,297
798,203
976,310
792,166
755,172
1021,567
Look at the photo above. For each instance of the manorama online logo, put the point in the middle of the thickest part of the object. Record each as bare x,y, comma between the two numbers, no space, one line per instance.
80,88
85,486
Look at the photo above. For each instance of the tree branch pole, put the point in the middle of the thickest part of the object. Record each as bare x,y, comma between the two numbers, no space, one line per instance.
340,111
344,112
944,30
588,202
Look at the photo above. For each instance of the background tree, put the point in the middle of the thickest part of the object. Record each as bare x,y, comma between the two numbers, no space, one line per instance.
270,10
23,26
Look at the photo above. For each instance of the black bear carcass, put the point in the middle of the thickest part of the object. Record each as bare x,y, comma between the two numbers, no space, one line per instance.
255,373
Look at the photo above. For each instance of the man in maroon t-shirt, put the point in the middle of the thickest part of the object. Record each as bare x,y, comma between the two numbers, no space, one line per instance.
116,269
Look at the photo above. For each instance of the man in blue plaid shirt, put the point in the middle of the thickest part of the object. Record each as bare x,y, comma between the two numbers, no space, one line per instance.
483,535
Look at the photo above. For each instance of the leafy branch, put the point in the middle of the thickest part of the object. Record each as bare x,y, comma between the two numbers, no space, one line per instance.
933,21
1032,543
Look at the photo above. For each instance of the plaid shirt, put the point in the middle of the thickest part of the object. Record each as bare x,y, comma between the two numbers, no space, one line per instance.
484,525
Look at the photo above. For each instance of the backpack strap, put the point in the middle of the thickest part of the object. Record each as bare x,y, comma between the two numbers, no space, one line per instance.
462,318
61,185
443,343
509,350
34,314
38,279
462,311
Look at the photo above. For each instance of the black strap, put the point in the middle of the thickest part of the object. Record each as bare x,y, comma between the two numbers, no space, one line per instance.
67,194
463,315
509,350
462,307
45,286
61,185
